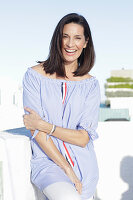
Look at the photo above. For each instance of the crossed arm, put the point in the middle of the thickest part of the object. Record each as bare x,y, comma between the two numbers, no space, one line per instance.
51,150
33,121
76,137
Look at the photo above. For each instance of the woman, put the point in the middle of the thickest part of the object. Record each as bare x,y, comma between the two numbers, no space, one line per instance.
61,101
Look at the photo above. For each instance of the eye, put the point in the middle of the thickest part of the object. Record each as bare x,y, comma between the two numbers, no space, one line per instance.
78,38
64,36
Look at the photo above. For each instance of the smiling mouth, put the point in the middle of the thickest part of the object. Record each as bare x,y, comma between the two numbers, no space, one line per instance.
70,51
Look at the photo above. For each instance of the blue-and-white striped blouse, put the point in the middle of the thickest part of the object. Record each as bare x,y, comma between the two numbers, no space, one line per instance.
68,104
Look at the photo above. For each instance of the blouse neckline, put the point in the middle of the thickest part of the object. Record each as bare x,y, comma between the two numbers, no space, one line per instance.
60,80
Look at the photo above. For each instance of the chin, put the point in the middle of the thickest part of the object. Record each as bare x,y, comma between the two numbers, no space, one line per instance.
70,59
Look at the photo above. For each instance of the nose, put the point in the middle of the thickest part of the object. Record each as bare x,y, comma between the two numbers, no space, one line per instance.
70,42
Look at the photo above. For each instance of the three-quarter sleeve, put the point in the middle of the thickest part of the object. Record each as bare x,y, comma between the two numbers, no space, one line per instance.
31,94
90,114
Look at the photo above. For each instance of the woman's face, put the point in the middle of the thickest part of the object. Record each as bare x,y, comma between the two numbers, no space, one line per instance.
73,42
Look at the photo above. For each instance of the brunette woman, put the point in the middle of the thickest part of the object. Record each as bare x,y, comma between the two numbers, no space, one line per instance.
61,100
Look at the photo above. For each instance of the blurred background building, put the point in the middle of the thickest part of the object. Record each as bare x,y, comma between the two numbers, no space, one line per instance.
119,97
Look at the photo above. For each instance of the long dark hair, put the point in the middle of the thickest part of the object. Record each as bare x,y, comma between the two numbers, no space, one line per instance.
55,60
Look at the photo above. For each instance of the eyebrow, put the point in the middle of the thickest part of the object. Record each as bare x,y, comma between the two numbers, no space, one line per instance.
68,35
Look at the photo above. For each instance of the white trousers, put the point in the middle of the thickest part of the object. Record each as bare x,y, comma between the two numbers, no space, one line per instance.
62,191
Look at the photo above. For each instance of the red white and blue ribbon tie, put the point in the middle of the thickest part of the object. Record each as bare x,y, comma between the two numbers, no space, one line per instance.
67,154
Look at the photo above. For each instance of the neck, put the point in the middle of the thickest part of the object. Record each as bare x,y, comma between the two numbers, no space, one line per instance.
70,68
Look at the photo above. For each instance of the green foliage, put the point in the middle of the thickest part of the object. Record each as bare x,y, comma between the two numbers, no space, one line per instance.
121,86
119,79
119,94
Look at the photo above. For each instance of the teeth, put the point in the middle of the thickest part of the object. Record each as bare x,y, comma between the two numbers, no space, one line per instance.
71,51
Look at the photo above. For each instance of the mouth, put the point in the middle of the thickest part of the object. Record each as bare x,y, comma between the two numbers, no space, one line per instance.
70,51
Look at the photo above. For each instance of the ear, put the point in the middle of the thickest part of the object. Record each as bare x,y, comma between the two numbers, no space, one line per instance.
86,41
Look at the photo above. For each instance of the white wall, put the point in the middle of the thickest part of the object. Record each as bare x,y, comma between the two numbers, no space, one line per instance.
118,89
15,154
11,117
122,73
10,113
122,102
114,150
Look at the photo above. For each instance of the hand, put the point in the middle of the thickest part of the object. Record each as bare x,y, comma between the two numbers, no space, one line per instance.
70,173
31,120
32,132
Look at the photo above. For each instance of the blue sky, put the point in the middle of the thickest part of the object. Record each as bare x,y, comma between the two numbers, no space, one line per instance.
27,27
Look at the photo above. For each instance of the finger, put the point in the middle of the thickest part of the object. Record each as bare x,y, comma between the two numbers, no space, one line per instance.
27,127
79,187
29,110
32,132
25,116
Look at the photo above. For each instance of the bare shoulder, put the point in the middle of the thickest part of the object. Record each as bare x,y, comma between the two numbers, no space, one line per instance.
39,69
87,76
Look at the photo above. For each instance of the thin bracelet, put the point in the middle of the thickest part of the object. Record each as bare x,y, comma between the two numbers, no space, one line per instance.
53,129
